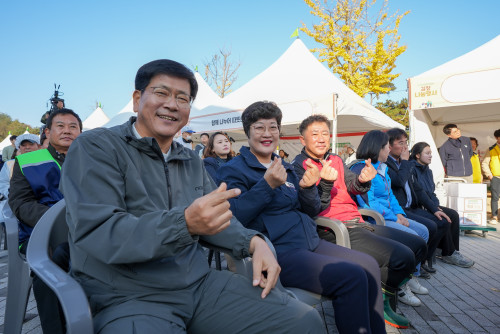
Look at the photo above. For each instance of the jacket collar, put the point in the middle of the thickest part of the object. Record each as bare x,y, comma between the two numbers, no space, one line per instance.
252,161
420,166
56,155
149,145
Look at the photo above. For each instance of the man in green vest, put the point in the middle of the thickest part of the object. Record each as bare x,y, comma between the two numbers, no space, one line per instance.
34,188
491,168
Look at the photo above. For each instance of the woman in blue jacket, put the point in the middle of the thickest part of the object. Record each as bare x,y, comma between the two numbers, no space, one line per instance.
375,146
269,203
217,153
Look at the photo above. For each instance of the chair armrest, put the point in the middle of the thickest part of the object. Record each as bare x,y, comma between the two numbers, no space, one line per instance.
379,219
68,291
244,266
341,233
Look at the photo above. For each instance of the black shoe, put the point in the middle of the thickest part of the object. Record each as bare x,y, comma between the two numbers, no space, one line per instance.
424,274
428,267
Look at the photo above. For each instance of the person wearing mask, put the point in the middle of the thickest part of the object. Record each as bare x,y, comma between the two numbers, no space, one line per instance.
491,168
24,143
456,154
421,157
185,138
217,153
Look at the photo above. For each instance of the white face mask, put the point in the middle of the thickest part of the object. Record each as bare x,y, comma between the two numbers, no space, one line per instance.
188,137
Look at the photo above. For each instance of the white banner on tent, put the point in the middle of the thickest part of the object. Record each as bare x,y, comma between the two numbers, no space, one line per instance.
294,112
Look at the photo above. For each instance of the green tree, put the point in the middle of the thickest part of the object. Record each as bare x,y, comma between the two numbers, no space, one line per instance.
395,110
359,46
14,126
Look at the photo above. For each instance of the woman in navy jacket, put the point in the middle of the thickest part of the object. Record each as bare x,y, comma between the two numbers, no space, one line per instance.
217,153
421,157
270,203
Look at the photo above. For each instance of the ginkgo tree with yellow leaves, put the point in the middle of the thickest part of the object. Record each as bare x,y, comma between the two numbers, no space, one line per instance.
361,42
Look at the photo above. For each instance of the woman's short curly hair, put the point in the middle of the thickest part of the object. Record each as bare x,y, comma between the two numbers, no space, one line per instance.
259,110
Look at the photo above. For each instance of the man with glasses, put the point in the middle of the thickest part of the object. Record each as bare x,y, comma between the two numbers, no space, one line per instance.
455,154
137,205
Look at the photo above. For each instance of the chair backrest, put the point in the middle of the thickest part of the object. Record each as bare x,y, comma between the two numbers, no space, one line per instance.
50,231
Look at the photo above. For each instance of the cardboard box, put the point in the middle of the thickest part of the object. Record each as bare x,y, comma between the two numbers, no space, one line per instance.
466,204
472,190
473,218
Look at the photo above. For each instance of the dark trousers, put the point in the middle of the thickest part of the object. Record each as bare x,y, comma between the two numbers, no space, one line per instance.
396,252
495,194
350,278
49,309
437,228
451,240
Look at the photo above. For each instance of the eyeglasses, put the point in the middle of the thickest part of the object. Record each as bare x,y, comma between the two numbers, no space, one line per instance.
260,129
164,95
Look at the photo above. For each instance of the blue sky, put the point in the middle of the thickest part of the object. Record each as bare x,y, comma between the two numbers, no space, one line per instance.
94,48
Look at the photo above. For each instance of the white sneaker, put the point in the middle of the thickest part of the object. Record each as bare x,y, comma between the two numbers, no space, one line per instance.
493,221
407,297
416,287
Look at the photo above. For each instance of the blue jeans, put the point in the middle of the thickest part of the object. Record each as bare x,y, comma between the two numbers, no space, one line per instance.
414,228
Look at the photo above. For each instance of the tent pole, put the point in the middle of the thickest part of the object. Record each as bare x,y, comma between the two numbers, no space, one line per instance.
411,124
334,124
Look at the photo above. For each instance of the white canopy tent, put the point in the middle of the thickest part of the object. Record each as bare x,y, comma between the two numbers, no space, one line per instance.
464,91
301,86
5,142
96,119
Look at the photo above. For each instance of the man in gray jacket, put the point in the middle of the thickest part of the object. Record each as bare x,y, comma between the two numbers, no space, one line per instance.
455,154
137,205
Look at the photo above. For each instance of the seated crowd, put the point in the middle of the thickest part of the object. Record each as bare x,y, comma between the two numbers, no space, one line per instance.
138,202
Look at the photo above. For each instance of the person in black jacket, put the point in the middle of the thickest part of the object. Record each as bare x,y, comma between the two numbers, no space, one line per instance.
406,192
33,192
217,152
420,158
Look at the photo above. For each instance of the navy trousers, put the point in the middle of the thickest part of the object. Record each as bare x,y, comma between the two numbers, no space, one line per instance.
437,228
349,277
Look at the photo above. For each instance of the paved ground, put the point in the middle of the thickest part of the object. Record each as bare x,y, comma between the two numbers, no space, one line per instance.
460,300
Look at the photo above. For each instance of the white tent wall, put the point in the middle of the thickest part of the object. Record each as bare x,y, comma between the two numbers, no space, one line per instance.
464,91
5,142
96,119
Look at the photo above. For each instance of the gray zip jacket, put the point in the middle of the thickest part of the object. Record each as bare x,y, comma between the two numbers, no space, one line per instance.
455,155
125,211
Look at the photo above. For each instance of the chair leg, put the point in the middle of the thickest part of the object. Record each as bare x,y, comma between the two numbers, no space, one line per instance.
18,289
